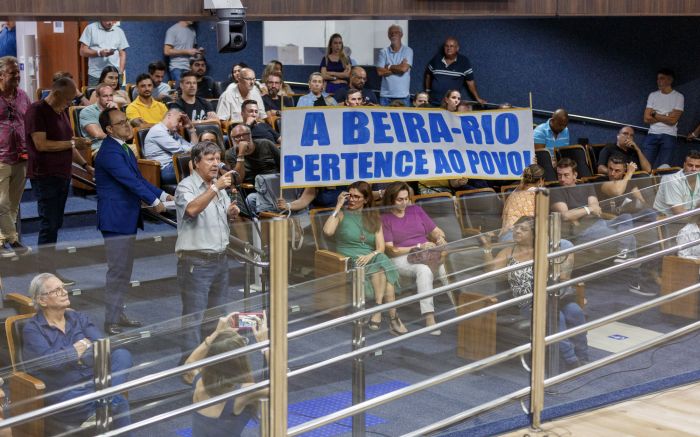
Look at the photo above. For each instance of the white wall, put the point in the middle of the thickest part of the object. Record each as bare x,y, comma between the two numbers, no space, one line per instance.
27,56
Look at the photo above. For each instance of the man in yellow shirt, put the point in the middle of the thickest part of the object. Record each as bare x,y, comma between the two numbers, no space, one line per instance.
145,109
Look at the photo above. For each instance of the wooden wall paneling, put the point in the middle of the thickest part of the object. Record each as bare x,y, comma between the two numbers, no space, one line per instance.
628,8
57,51
324,9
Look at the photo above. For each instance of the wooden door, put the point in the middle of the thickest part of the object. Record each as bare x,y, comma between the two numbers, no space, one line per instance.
58,51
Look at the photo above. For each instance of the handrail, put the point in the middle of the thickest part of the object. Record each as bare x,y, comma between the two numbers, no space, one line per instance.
405,391
550,339
414,333
570,332
325,325
620,266
494,273
188,408
129,385
498,306
478,365
172,223
585,118
621,234
459,417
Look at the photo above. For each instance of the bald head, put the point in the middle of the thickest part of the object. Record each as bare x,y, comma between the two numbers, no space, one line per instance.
358,78
559,121
246,81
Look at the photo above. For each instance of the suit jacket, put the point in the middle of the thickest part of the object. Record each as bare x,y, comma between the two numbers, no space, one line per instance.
120,189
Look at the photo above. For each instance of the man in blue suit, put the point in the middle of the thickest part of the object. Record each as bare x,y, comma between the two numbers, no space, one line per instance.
120,191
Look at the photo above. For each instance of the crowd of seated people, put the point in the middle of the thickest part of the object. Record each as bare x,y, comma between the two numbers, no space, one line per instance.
383,244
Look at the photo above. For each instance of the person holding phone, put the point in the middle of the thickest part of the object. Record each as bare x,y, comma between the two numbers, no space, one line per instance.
163,141
230,417
103,43
204,210
358,234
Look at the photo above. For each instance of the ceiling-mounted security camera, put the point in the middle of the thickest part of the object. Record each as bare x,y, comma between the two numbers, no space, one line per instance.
231,30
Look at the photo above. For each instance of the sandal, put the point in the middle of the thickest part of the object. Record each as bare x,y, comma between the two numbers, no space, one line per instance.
374,325
396,327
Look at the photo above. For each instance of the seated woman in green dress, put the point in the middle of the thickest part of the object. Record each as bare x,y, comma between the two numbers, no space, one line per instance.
358,234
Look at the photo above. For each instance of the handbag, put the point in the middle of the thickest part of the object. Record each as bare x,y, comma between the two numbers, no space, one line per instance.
430,257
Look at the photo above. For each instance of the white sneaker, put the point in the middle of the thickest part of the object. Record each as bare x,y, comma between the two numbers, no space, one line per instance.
635,288
623,256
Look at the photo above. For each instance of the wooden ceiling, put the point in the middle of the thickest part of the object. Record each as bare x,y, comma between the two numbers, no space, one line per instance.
344,9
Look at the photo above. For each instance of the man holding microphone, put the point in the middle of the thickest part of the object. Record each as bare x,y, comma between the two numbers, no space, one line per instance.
204,210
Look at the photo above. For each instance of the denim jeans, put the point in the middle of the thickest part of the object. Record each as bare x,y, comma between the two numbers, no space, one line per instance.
175,74
386,101
121,361
659,149
167,175
604,228
570,315
51,194
203,285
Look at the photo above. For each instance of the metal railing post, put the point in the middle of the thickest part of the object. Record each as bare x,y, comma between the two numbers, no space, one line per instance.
102,377
552,354
539,305
264,405
278,327
358,341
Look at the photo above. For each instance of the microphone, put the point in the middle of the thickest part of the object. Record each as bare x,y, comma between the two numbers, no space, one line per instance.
223,169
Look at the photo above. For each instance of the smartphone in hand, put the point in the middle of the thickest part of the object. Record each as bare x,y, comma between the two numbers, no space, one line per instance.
245,321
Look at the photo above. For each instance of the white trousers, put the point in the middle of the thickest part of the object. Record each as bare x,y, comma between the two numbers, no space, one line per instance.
424,279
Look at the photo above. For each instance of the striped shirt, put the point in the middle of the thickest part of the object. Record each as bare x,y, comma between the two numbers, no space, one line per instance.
448,77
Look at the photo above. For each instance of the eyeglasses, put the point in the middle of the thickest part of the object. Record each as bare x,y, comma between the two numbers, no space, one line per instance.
124,122
250,79
60,290
355,196
235,137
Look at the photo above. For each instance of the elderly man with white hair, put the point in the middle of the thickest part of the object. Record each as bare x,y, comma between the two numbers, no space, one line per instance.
63,339
231,100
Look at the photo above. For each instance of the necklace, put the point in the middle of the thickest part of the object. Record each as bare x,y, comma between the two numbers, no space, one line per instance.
359,224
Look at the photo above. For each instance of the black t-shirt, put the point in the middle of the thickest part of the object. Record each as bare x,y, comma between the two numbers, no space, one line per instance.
197,110
611,149
264,160
206,88
276,105
262,130
574,197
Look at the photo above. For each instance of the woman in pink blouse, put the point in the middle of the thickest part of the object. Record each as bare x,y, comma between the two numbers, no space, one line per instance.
408,228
